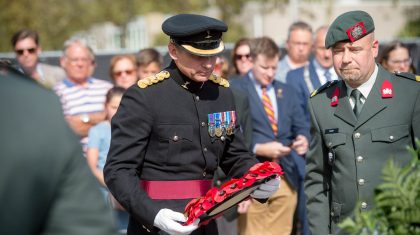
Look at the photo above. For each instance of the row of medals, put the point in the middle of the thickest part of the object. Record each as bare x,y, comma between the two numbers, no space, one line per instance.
221,126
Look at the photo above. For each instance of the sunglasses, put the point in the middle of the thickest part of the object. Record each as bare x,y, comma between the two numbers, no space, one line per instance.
119,73
239,57
29,50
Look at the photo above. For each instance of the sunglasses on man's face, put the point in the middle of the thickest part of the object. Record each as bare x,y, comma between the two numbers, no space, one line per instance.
29,50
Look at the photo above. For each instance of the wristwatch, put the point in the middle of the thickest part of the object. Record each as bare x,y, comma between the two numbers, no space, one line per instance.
85,118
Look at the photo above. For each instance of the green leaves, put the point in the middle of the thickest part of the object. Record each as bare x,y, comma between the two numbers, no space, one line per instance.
397,202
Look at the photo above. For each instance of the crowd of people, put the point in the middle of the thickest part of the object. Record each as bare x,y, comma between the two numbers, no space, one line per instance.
327,111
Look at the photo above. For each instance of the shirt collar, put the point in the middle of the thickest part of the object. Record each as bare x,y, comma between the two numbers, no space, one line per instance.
69,83
366,87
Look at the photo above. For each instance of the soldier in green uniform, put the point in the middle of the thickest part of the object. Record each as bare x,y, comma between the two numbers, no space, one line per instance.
358,124
45,184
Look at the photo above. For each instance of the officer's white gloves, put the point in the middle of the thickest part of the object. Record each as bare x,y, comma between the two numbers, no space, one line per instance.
266,189
168,221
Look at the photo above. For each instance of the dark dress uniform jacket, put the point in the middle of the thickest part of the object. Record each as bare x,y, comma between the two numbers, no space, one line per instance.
360,147
160,133
46,186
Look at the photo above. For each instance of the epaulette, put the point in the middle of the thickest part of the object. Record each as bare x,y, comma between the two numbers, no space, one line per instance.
219,80
323,87
409,76
162,75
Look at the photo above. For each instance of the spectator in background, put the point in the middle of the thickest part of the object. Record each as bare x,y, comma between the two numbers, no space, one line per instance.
27,50
279,131
317,72
241,58
46,186
123,70
298,47
395,57
81,96
149,62
98,146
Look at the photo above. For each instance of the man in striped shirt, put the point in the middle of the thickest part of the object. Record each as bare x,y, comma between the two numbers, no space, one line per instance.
82,96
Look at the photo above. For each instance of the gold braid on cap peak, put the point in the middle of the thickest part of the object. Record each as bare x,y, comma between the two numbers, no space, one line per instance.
219,80
145,82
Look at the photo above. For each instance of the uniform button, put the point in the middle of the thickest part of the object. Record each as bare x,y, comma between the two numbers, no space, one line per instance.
205,149
197,98
359,159
222,138
329,144
364,205
357,135
361,182
203,124
204,173
332,213
391,137
176,138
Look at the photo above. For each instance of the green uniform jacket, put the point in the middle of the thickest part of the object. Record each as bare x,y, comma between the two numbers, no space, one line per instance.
45,184
358,148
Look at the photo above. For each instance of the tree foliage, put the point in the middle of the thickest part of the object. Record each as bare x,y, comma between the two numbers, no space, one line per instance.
397,203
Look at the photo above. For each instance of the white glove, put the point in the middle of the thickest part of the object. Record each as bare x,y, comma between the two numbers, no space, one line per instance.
266,189
168,221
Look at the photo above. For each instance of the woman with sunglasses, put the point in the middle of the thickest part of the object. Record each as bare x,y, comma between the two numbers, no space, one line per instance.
395,57
241,57
123,70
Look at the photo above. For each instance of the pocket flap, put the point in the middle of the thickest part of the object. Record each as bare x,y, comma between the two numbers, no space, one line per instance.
175,132
336,139
390,134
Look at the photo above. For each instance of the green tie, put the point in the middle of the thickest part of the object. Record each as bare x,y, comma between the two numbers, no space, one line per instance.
358,105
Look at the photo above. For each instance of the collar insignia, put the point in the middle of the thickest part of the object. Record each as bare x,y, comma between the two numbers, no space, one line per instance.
386,89
185,85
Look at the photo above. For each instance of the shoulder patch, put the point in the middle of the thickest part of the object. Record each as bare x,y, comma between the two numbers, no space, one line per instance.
148,81
219,80
409,76
323,87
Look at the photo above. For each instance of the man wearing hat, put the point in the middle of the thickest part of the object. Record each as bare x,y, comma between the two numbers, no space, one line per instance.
173,129
359,123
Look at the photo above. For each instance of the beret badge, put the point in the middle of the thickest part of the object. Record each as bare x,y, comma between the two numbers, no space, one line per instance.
356,31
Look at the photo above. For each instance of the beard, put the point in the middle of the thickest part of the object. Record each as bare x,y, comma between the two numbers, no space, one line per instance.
350,75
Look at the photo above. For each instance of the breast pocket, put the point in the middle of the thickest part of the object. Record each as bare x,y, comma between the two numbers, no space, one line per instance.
174,139
334,140
390,134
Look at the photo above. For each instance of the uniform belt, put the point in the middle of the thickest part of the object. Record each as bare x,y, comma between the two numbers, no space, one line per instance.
179,189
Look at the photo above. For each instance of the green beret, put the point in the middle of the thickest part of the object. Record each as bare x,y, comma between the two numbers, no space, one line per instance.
350,26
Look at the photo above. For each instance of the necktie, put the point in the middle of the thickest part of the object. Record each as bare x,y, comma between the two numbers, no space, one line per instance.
268,107
358,105
327,75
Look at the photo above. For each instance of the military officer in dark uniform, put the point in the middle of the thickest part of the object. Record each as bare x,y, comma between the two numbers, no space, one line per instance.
358,123
173,129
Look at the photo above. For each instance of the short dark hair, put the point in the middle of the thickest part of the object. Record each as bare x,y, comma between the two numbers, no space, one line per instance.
25,33
147,56
299,25
115,91
264,46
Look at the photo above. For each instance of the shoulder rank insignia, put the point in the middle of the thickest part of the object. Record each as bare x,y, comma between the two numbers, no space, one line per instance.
323,87
162,75
219,80
409,76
